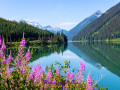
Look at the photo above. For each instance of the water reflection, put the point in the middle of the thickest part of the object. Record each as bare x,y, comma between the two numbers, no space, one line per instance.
99,58
101,53
78,52
98,54
45,50
39,51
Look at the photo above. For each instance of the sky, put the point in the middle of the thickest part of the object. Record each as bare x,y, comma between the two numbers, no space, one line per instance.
64,14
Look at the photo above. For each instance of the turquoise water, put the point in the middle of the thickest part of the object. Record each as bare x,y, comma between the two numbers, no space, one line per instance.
99,58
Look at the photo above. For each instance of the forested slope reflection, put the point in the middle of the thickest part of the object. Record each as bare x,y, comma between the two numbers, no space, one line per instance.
40,51
107,54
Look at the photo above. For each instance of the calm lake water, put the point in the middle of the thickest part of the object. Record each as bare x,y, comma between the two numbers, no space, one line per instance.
99,58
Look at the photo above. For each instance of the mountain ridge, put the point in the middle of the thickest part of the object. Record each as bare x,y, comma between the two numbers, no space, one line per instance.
83,23
48,27
106,27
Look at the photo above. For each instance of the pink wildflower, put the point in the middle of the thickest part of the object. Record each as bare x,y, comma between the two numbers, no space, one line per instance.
12,81
89,82
37,68
71,76
79,77
8,71
82,66
18,63
4,61
9,58
31,76
1,54
22,43
68,74
54,82
58,71
41,89
49,75
28,55
3,46
22,70
35,74
37,78
0,40
42,72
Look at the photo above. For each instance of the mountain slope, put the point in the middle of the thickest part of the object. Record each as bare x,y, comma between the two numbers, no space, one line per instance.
106,27
82,24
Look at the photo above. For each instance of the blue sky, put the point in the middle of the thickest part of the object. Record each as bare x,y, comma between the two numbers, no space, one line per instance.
57,13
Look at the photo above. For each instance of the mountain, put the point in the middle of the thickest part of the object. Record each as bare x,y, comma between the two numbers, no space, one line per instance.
13,31
82,24
35,24
54,29
32,23
106,27
49,28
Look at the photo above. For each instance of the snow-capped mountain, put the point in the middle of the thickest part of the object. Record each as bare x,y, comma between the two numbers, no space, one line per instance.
49,28
35,24
98,13
54,29
32,23
83,24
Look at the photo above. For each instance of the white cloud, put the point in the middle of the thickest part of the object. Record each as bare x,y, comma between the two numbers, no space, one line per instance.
68,23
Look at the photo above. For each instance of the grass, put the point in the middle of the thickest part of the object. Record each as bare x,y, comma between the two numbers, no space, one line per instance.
34,42
114,40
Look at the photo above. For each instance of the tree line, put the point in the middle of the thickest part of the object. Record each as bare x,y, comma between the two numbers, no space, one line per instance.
12,31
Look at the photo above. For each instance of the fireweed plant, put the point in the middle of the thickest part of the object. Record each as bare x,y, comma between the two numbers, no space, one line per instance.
23,77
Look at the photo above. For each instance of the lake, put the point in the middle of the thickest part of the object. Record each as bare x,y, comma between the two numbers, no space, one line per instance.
100,58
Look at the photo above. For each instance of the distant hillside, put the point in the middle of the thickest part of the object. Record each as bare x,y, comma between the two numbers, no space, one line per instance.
48,27
54,29
106,27
12,31
82,24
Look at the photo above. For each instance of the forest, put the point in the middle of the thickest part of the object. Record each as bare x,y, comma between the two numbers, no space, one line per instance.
12,31
106,27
